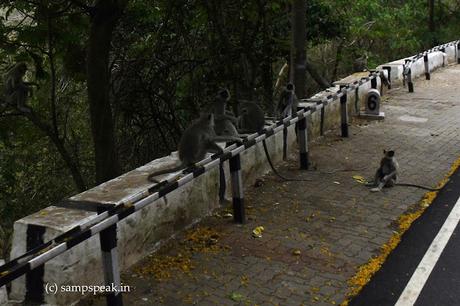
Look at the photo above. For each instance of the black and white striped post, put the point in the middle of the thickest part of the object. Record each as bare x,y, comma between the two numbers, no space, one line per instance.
108,241
303,142
427,66
237,189
344,113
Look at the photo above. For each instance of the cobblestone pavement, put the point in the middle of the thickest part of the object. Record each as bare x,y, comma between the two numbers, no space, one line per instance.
316,233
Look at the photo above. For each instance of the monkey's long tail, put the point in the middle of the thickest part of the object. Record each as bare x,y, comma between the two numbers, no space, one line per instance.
418,186
276,171
151,176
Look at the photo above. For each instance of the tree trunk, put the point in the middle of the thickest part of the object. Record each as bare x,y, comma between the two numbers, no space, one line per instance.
431,24
60,146
104,17
298,54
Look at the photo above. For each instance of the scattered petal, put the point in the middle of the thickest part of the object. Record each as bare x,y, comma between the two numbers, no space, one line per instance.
257,232
360,179
237,297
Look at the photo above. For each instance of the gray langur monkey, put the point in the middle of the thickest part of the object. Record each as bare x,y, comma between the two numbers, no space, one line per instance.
252,120
224,120
360,64
287,106
198,139
15,90
251,117
288,102
386,174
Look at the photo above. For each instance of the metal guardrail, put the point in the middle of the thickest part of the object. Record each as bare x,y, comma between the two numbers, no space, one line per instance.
407,66
105,222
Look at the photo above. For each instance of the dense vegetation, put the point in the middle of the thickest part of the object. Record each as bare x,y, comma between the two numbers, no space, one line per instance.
120,79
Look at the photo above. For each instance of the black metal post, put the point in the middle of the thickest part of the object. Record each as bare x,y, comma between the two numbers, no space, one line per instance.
237,190
344,114
108,241
458,53
427,66
443,50
374,83
303,142
409,80
285,143
321,122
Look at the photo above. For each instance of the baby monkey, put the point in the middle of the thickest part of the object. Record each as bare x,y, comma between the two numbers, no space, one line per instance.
386,174
198,139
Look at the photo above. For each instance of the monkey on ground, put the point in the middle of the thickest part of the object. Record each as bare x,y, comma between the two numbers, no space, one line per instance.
198,139
15,90
386,174
223,119
288,102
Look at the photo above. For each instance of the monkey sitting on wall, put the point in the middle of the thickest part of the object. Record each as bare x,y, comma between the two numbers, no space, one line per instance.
15,90
198,139
223,119
386,174
288,102
252,120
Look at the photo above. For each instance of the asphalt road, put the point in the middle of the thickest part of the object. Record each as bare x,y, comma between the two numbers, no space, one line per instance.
442,287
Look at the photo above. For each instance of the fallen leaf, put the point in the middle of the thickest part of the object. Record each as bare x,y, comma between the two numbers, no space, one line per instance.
257,232
237,297
296,252
360,179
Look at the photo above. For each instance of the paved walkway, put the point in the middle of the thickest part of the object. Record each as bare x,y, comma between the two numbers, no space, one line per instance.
316,234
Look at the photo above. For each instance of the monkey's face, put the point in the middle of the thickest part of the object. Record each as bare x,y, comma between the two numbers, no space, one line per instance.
224,94
389,154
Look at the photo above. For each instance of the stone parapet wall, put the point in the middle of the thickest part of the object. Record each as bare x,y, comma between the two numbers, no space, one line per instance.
141,232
